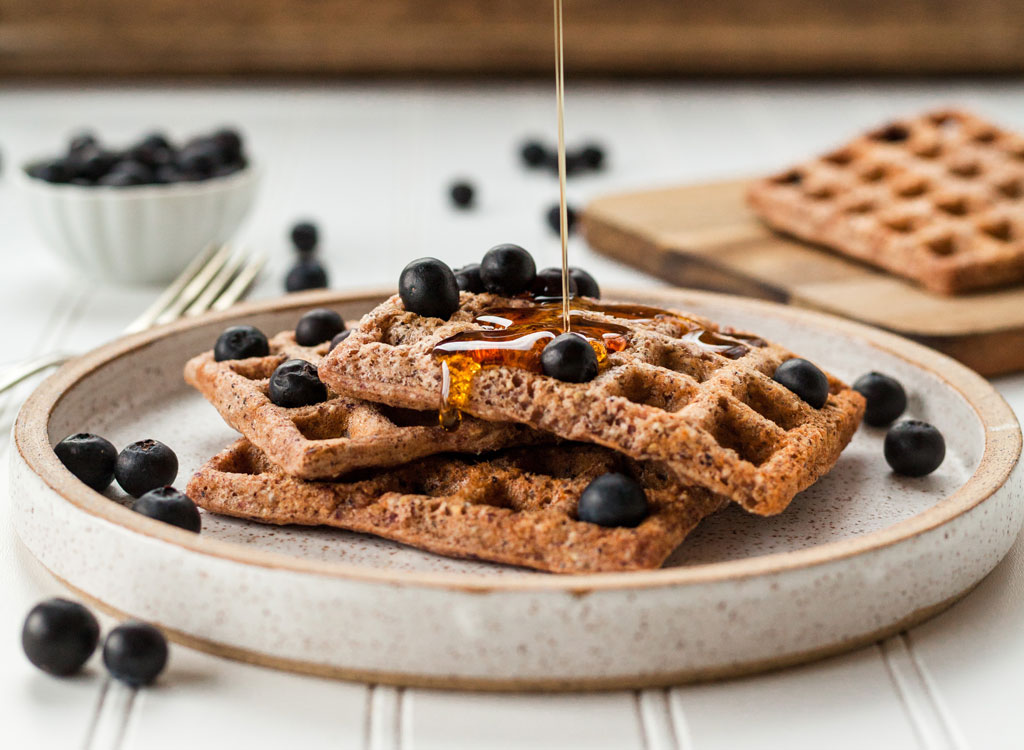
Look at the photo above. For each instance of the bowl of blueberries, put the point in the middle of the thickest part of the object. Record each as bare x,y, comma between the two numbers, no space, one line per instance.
139,214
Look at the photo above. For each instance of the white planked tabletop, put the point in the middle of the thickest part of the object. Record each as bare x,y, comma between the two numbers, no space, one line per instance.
371,164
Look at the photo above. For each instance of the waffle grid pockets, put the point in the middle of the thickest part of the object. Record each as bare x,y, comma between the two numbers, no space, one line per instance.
338,435
515,507
716,422
938,199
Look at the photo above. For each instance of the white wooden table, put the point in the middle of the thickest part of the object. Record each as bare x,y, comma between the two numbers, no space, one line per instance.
371,164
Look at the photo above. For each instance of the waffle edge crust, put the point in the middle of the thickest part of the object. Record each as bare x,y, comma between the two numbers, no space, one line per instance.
340,434
515,507
935,199
718,423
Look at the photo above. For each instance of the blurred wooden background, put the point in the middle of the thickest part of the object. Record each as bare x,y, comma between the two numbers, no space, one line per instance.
332,37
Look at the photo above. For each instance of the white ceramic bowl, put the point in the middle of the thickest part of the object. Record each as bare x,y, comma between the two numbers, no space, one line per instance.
144,234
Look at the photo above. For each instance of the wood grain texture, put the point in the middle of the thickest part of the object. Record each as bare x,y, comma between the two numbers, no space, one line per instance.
126,37
704,236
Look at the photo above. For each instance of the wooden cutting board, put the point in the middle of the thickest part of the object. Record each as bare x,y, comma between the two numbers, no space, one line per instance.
704,236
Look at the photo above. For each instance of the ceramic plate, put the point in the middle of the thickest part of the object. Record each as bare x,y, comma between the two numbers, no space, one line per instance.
860,555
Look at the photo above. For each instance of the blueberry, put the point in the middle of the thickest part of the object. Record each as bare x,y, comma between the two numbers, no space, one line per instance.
156,140
144,466
885,397
57,171
428,288
89,457
240,342
586,284
555,219
507,270
533,153
569,358
305,236
199,156
81,140
592,155
914,448
170,506
229,141
59,636
468,278
805,380
339,338
296,383
548,283
168,174
462,194
317,326
574,163
135,653
126,173
613,500
153,151
92,162
306,274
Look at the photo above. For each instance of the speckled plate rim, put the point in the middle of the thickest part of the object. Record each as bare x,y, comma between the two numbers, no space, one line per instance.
1001,453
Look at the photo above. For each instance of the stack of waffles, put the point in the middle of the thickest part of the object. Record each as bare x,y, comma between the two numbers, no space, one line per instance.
687,409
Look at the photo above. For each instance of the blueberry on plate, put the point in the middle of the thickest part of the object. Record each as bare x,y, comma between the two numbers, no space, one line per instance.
507,270
533,154
306,274
554,217
428,287
805,380
569,358
586,285
317,326
914,448
170,506
468,278
296,383
886,399
89,457
548,283
59,636
613,500
135,653
305,236
339,338
144,466
462,194
241,342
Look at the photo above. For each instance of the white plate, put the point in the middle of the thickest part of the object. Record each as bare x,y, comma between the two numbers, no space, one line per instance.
860,555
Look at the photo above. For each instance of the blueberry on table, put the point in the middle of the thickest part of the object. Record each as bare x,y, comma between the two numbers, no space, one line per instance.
569,358
296,383
462,194
241,342
59,636
89,457
554,217
305,236
613,500
592,155
533,154
805,380
339,338
135,653
886,399
586,285
548,283
144,466
914,448
170,506
468,278
317,326
507,270
306,274
428,287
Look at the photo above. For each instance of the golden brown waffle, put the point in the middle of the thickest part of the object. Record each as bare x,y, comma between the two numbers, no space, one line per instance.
717,422
938,199
338,435
516,507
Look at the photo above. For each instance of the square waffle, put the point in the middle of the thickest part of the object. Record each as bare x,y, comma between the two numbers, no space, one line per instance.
711,412
938,199
337,435
516,507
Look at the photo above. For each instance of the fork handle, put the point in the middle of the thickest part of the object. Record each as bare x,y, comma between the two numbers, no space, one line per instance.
27,369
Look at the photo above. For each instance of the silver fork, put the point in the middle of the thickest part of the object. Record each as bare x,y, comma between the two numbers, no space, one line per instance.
214,280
